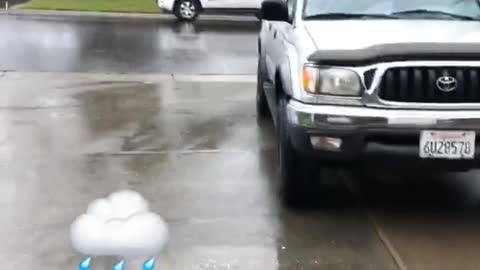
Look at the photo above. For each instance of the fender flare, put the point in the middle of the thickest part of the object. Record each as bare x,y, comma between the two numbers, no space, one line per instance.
288,75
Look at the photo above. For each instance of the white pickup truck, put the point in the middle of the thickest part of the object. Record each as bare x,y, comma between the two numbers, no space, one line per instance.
369,82
188,10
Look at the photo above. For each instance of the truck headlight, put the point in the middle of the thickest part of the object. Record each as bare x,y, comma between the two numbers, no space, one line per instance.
331,81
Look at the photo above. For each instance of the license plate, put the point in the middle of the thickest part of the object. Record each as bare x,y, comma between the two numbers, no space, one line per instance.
447,144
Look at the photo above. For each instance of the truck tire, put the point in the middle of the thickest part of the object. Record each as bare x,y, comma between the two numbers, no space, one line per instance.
299,176
186,10
263,112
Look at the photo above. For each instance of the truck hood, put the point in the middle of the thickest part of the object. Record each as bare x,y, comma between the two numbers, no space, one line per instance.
358,34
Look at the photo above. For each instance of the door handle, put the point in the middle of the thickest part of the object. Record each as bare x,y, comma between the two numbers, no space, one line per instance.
275,34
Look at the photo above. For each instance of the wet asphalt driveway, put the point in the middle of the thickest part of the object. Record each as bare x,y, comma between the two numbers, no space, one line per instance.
81,44
191,145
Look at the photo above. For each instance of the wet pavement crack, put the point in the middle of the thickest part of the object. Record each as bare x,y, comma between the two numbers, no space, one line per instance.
399,262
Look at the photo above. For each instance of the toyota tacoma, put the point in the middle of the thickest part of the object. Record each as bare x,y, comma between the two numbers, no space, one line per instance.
369,81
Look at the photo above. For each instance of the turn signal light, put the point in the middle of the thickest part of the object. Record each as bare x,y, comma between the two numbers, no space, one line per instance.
326,143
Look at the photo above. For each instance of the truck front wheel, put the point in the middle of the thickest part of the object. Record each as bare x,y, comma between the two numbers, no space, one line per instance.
300,176
263,112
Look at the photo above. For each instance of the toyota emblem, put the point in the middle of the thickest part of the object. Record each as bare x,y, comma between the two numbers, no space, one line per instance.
446,83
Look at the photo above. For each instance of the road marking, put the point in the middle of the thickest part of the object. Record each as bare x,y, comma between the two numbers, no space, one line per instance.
214,78
166,152
378,229
106,15
133,77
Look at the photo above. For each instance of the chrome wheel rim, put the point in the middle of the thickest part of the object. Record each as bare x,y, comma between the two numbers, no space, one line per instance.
187,9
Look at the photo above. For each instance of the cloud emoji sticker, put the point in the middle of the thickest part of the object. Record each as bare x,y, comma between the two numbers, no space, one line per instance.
119,225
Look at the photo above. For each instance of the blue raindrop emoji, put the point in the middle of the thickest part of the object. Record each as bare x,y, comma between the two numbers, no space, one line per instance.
85,264
149,265
119,266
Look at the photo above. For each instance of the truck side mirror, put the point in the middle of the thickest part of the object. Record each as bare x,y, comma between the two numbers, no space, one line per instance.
274,10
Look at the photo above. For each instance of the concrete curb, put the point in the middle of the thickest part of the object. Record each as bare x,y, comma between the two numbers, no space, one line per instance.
29,12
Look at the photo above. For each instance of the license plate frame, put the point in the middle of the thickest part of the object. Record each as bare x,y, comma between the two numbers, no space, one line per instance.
447,144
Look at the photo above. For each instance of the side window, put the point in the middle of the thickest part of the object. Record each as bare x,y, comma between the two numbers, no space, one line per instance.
292,7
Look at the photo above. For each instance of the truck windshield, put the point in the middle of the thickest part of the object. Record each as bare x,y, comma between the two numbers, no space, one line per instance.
435,9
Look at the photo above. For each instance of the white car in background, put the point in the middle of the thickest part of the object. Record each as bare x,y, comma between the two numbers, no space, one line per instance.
188,10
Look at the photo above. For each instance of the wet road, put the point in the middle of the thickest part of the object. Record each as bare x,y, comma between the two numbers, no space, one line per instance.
11,3
195,150
191,145
82,44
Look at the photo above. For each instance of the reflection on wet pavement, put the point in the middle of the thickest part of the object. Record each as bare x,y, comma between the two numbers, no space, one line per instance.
192,146
192,149
132,46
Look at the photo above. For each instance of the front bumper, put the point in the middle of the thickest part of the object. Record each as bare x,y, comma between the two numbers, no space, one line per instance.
373,132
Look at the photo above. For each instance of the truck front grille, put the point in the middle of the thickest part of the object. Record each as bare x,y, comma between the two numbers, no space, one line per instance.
431,84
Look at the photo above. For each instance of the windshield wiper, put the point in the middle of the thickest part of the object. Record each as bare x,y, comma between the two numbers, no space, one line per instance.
435,13
344,16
